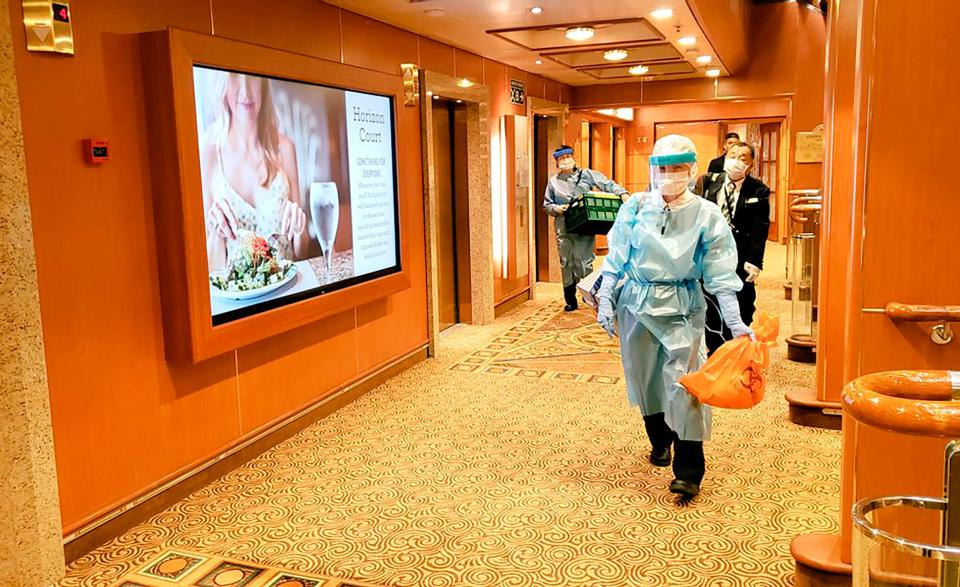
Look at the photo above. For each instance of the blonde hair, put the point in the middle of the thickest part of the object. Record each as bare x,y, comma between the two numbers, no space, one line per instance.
268,133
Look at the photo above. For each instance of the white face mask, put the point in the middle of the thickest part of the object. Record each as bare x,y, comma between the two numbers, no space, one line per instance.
673,184
566,164
735,168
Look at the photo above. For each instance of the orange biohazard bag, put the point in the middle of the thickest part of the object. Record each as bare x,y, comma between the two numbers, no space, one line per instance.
735,376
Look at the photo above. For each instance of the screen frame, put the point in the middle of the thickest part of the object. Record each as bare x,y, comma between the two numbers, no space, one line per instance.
168,60
233,315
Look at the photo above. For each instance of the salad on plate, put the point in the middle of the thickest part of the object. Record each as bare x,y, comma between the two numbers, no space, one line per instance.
253,266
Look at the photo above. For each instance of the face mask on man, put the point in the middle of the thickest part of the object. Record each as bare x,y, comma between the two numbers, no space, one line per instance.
673,183
566,164
735,168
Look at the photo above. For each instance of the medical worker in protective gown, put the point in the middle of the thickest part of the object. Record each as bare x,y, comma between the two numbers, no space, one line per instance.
576,250
664,243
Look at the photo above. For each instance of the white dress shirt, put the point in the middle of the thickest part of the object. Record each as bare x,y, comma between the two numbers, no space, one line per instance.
735,197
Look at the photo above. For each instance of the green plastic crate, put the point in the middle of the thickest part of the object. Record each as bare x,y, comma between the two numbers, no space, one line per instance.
594,213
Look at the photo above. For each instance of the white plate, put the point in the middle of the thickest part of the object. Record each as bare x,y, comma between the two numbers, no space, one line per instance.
254,293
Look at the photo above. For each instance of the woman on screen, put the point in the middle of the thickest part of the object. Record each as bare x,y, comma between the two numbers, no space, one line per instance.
250,179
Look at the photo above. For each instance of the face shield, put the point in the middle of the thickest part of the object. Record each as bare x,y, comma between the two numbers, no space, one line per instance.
565,161
673,165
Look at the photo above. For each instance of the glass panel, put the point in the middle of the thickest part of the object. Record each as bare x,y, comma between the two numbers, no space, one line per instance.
772,183
773,146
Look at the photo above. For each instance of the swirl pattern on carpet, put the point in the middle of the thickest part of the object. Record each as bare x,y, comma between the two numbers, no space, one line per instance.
446,477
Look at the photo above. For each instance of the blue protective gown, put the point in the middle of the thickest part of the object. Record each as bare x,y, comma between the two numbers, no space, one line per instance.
576,250
661,309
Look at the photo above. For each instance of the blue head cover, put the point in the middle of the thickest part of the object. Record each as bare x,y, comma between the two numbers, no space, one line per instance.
562,151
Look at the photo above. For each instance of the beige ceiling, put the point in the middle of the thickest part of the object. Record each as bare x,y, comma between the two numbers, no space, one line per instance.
505,30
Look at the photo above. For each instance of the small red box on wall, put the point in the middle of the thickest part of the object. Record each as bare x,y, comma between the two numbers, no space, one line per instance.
96,151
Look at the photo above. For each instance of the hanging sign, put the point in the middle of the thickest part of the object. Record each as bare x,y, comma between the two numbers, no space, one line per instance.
518,92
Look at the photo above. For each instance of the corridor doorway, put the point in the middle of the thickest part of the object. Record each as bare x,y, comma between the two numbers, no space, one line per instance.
453,226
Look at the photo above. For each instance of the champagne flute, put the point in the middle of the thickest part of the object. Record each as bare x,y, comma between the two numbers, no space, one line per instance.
325,215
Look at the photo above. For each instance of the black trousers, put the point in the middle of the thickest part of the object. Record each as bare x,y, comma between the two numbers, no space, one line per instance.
748,305
688,460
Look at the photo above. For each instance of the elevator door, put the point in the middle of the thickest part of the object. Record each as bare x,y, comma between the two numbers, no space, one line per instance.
541,159
453,229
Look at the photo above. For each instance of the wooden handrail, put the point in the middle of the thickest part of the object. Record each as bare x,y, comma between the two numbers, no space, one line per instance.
799,212
906,402
922,313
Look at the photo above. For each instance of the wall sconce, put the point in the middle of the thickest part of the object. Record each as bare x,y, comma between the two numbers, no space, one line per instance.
411,83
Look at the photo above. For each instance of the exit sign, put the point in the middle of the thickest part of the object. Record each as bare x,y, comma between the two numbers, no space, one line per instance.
518,92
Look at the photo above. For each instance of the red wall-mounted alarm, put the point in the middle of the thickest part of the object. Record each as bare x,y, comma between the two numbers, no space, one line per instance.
96,151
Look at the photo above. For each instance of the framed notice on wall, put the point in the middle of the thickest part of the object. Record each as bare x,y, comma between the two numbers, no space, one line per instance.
518,92
810,146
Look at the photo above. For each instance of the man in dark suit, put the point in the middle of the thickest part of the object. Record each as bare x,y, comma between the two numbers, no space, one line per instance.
745,203
716,165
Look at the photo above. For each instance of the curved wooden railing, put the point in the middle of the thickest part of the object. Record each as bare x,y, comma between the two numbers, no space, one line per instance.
908,402
802,208
921,313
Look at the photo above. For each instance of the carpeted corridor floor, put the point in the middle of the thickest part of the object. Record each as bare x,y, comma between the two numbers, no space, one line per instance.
512,459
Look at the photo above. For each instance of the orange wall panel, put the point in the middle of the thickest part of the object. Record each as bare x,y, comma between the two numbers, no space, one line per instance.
393,46
125,420
437,57
469,66
299,26
551,90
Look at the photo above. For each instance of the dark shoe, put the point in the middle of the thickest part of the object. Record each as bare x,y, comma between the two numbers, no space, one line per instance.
684,488
570,296
660,458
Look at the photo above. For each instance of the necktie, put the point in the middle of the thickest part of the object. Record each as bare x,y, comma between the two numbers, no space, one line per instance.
727,204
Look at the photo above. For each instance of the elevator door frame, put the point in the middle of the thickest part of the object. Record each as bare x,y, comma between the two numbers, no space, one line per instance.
543,244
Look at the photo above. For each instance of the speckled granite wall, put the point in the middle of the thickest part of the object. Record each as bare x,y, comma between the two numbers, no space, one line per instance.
477,99
31,550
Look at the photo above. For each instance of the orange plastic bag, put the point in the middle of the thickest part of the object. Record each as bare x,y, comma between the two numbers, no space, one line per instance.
735,376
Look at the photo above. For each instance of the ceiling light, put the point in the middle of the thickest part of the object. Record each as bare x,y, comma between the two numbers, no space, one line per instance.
615,55
687,41
713,72
465,83
539,61
436,97
459,101
639,70
662,13
435,12
535,10
429,93
580,33
704,59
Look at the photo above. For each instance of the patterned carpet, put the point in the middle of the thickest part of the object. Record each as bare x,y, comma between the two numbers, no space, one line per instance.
454,476
175,567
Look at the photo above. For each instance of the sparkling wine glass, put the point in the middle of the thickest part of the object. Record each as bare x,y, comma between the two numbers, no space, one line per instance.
325,215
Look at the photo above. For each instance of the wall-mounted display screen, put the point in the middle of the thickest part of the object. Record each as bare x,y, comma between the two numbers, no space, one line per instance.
299,189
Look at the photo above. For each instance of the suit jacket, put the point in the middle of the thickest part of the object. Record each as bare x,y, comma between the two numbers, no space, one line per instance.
751,218
716,165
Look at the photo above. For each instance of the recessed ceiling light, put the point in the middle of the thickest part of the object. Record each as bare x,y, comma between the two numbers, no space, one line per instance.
435,12
615,55
465,83
435,97
429,93
704,59
539,61
459,101
535,10
662,13
580,33
687,41
713,72
639,70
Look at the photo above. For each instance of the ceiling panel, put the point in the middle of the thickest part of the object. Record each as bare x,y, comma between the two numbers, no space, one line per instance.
655,69
536,41
607,33
635,54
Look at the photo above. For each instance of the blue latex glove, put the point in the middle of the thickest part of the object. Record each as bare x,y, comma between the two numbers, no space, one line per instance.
730,310
605,314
